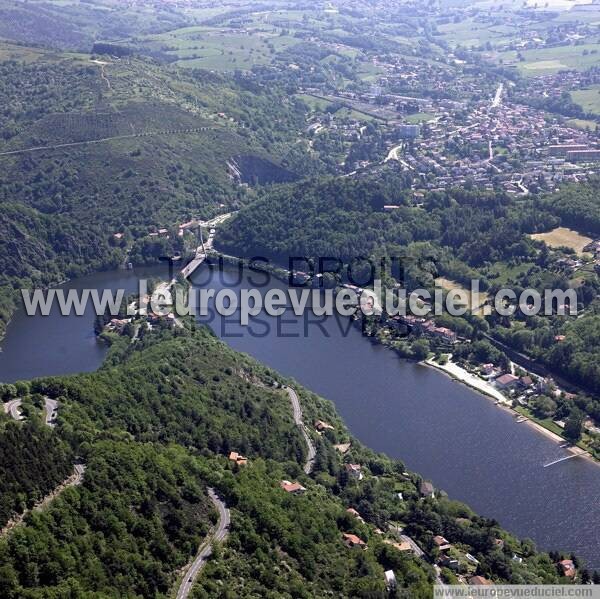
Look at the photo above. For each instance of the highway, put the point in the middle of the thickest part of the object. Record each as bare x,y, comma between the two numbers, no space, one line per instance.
220,534
312,452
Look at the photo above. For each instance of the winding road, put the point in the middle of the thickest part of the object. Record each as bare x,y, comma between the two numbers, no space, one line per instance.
312,452
220,534
13,407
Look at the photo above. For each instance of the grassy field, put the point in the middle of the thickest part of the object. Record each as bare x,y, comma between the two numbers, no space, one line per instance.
10,51
470,33
588,98
210,48
563,237
583,124
545,61
450,285
419,117
503,273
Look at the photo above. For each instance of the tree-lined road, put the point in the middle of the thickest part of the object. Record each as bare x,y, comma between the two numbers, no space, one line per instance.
13,408
220,534
312,452
75,144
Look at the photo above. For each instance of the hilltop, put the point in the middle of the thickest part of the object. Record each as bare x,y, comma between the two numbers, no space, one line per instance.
155,426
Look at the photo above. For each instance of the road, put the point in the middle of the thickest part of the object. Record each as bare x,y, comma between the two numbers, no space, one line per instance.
51,411
204,247
105,139
498,97
312,452
75,479
220,534
13,408
393,153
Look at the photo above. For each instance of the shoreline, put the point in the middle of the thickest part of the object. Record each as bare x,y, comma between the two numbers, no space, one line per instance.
460,375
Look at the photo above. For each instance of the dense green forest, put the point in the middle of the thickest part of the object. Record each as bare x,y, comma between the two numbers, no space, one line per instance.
577,206
346,218
33,460
139,515
154,426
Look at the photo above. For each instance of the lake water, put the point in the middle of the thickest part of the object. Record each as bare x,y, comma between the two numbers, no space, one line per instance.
438,427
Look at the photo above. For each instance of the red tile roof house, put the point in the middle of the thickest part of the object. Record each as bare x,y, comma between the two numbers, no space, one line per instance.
445,334
353,541
526,381
354,471
441,542
295,488
568,568
480,581
507,381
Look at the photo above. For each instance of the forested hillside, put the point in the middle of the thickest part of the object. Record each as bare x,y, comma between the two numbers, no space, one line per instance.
33,460
347,218
155,425
163,146
461,234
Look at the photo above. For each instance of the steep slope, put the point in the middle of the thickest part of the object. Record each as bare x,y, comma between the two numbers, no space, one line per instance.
93,147
155,426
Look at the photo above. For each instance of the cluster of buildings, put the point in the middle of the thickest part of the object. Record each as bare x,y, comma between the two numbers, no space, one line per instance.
554,85
509,146
425,327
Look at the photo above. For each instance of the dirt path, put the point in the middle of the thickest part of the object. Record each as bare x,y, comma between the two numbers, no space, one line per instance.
105,139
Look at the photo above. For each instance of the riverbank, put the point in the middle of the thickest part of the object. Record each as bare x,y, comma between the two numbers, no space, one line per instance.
461,375
450,369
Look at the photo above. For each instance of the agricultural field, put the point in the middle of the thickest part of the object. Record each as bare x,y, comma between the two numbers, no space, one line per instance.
588,98
208,48
546,61
563,237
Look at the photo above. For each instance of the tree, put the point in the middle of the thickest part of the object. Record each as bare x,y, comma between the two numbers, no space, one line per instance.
420,349
544,406
574,426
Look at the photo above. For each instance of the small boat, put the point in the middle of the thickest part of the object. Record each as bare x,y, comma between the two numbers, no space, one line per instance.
521,419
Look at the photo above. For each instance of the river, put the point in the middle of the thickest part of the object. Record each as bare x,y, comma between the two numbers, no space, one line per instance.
450,434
